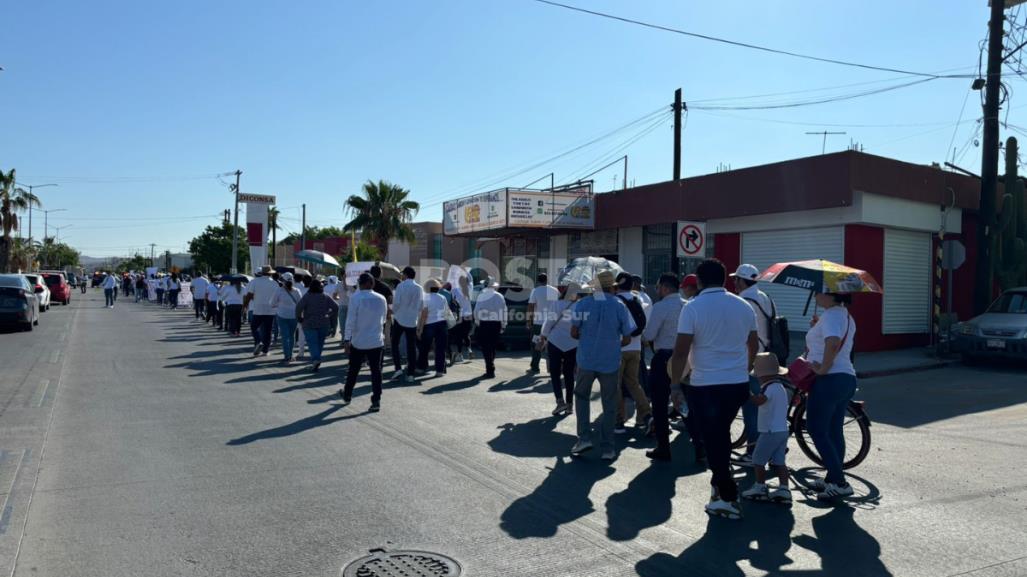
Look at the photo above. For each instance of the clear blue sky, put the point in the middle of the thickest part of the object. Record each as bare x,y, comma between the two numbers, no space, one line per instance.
133,106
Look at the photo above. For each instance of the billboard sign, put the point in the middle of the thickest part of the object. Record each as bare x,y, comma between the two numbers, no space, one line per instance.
540,209
480,212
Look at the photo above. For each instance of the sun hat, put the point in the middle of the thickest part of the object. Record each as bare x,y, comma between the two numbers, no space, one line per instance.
574,289
432,283
747,271
605,279
767,365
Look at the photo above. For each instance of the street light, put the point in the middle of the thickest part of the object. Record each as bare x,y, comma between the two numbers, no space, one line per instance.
32,187
46,229
59,229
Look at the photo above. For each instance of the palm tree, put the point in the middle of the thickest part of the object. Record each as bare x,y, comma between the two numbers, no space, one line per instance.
272,223
382,213
12,200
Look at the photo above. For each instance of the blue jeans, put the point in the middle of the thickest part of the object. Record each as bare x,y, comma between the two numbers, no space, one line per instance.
749,412
609,386
287,328
108,297
825,415
316,341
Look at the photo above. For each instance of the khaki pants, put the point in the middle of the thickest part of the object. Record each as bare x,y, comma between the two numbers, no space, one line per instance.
628,374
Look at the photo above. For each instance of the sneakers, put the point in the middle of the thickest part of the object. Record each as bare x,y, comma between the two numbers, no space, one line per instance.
458,358
619,429
832,491
608,455
817,485
408,379
256,349
570,408
580,448
647,426
560,408
659,454
758,492
345,399
782,495
723,509
744,461
532,371
374,408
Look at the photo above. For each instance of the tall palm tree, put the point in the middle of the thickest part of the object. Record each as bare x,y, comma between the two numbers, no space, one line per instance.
382,213
272,223
12,200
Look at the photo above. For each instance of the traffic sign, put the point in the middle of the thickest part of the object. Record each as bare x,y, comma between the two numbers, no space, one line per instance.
953,254
691,239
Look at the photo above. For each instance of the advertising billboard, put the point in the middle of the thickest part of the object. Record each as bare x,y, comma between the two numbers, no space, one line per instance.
480,212
539,209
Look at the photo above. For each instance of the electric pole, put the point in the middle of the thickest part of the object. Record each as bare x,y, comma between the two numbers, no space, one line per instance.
989,157
235,227
152,255
678,107
303,229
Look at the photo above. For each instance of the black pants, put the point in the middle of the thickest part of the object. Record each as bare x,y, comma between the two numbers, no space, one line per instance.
714,408
233,316
173,298
214,315
261,328
434,334
374,362
398,331
198,307
488,340
108,296
659,384
460,336
561,367
160,296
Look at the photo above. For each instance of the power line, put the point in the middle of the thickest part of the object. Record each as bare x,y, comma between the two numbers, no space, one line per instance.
810,102
748,45
826,124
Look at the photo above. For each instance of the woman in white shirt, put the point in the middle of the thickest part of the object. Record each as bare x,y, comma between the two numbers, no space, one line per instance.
829,344
432,328
284,302
232,296
174,287
561,349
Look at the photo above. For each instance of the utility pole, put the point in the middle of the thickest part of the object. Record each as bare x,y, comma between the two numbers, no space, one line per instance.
235,227
303,233
678,107
152,255
989,157
824,133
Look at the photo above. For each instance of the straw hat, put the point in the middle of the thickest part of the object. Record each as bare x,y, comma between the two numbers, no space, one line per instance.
767,366
605,279
432,283
574,289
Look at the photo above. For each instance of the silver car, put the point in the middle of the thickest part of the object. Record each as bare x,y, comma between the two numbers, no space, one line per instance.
999,332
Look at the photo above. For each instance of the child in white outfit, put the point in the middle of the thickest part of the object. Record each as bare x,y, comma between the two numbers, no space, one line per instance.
772,424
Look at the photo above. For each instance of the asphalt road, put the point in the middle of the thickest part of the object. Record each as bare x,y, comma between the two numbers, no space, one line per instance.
138,442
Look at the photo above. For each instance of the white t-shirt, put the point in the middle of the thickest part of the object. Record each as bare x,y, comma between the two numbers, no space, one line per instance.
719,323
231,296
437,306
263,288
198,288
773,414
833,323
407,302
212,292
543,297
558,328
636,342
285,302
755,294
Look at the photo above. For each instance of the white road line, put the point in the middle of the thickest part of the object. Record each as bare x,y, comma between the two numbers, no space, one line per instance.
55,357
5,515
37,399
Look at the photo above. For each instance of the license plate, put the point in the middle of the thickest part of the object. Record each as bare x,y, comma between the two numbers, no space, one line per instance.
996,344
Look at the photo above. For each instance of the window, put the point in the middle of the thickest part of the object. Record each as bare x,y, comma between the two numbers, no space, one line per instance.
436,247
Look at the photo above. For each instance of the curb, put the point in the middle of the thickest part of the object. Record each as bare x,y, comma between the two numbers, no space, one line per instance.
902,370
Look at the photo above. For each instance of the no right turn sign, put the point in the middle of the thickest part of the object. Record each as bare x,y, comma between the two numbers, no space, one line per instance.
691,239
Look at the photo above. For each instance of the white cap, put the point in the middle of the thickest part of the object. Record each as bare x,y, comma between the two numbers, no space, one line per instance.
286,277
333,279
747,271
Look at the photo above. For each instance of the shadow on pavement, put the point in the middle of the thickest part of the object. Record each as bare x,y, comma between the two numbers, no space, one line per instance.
536,438
454,386
516,384
312,422
560,499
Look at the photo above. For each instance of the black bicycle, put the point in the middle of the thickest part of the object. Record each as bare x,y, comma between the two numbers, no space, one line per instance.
856,430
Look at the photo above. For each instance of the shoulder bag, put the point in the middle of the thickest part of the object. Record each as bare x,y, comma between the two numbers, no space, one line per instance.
801,372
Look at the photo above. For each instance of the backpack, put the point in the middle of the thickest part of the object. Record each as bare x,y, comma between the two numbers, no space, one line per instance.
777,332
637,313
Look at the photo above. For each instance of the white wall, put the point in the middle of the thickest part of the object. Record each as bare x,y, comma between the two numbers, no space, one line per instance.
399,253
629,250
907,214
557,255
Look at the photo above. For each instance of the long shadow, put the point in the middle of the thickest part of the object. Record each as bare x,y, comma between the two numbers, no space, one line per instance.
727,543
218,352
515,384
536,438
560,499
646,501
454,386
305,424
844,547
943,394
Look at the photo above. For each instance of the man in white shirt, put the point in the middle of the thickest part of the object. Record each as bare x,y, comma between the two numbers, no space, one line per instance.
198,287
746,287
215,316
630,364
364,338
462,331
259,293
718,329
407,302
661,330
110,287
490,317
540,305
332,288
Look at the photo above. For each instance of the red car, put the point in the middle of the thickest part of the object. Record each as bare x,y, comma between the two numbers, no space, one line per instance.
60,290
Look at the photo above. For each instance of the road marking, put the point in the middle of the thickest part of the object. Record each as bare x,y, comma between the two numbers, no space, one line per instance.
6,508
62,336
55,357
40,395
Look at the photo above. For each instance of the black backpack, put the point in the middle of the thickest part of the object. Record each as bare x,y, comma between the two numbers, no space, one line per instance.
637,313
777,332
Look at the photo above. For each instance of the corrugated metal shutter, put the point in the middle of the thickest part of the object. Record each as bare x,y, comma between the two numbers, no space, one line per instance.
907,282
762,249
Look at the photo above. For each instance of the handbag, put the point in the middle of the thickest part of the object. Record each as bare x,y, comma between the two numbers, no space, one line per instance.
450,318
800,371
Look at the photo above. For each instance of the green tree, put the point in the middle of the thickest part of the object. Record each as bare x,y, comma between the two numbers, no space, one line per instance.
57,255
365,252
12,201
212,250
137,263
383,213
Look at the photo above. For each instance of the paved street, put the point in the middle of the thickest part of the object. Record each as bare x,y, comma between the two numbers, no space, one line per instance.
139,442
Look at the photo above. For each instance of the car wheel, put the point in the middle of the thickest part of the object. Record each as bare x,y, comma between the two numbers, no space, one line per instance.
27,328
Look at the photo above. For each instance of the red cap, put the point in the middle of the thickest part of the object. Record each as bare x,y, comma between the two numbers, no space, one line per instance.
690,280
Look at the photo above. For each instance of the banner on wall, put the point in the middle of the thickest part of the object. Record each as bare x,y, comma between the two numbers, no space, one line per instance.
479,212
257,227
539,209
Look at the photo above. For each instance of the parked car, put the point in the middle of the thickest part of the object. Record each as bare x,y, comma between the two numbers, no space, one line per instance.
60,290
1001,332
18,301
41,290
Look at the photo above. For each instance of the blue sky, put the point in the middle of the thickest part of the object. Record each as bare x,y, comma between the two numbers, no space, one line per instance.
132,107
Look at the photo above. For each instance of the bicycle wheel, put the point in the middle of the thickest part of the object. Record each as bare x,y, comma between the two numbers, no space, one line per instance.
855,430
738,432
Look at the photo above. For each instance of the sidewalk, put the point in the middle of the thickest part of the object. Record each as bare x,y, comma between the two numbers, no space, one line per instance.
886,363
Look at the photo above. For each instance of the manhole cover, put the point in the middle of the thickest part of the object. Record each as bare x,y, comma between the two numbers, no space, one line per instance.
381,563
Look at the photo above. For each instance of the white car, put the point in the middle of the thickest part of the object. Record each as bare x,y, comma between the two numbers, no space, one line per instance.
42,291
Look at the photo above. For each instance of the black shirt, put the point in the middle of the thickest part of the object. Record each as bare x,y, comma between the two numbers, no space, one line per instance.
383,289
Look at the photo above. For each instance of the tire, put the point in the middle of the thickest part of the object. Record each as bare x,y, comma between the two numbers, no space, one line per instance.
738,432
27,328
855,428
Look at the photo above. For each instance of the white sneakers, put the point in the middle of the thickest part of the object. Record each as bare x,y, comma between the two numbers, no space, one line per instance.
760,492
832,491
723,509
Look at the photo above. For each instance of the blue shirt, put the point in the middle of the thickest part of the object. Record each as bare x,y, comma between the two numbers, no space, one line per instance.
602,322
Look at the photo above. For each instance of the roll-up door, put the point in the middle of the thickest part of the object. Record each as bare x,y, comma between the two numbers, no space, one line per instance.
762,249
907,282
